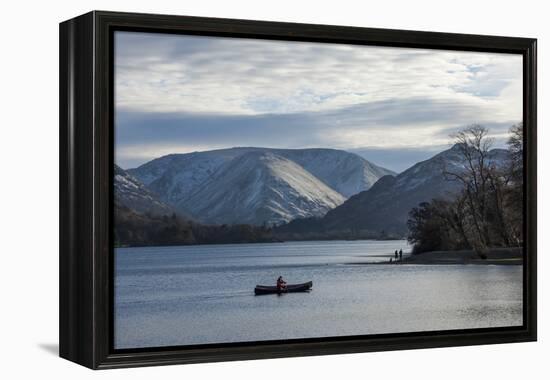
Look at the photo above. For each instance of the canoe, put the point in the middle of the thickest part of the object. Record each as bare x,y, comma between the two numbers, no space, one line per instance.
264,289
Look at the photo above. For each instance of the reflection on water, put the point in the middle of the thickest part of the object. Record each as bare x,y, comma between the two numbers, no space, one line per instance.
204,294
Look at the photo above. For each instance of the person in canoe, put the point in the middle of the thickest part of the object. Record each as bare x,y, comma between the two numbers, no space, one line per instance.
281,284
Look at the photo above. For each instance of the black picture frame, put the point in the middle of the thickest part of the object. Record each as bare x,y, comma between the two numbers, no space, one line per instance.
86,188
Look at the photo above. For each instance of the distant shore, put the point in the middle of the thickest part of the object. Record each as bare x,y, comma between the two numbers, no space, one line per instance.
495,256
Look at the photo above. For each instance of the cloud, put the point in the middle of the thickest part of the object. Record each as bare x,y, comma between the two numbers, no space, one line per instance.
391,124
167,73
179,93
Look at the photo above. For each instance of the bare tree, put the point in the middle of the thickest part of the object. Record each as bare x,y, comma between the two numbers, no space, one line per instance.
474,145
498,180
515,147
457,218
488,210
513,201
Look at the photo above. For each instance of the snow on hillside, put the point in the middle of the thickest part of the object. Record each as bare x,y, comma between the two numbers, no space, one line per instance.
261,187
176,176
345,172
449,160
129,192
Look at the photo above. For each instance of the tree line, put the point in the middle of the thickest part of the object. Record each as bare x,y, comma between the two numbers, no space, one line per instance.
488,210
133,229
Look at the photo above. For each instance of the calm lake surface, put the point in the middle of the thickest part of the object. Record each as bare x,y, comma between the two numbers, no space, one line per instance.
184,295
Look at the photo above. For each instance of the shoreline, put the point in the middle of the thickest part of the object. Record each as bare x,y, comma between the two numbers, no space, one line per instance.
495,256
254,242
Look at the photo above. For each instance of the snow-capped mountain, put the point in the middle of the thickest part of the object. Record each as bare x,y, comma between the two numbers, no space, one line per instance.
177,178
385,206
345,172
260,187
132,194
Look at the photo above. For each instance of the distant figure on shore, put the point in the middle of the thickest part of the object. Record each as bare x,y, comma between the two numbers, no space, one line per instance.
281,284
400,254
391,260
396,254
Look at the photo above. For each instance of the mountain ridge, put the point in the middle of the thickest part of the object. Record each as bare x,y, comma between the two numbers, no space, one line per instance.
131,193
175,178
383,209
258,188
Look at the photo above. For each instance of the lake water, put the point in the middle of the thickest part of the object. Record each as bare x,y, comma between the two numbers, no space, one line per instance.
167,296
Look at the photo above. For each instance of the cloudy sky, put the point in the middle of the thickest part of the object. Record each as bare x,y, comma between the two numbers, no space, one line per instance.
179,94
